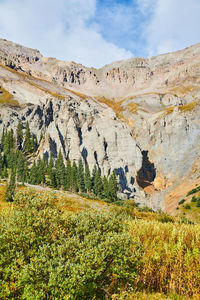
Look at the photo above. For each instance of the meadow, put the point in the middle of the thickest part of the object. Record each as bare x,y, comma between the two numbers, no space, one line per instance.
59,246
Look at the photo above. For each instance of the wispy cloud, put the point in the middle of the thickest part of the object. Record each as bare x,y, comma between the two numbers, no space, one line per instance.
97,32
63,29
171,25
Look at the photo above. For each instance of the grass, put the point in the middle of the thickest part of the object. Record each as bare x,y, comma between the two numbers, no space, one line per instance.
169,110
171,260
7,99
133,107
116,106
184,89
188,107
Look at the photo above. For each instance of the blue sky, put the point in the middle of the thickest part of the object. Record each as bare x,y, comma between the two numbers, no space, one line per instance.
97,32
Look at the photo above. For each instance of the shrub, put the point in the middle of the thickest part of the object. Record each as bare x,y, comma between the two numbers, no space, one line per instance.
187,206
165,219
194,199
198,203
45,256
181,202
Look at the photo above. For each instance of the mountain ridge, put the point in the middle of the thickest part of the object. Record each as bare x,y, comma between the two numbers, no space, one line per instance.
138,107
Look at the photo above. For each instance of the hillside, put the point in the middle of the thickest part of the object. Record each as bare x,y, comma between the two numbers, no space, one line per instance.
138,116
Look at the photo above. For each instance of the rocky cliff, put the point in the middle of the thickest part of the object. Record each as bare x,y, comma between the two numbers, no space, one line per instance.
138,116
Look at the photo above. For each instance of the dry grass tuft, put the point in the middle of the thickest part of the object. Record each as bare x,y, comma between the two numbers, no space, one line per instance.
116,106
188,107
7,99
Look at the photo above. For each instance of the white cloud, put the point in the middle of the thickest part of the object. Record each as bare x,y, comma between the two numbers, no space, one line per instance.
172,24
61,28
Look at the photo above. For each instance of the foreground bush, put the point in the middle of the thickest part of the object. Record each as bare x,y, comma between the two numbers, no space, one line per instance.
46,256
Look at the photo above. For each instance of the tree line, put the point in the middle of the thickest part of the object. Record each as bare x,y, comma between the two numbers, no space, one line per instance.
17,163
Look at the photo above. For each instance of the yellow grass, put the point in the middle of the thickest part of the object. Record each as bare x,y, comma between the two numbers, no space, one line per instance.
7,99
188,107
169,110
116,106
133,107
171,260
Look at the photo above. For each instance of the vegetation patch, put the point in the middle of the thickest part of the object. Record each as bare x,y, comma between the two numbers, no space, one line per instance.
133,107
116,106
7,99
169,110
188,107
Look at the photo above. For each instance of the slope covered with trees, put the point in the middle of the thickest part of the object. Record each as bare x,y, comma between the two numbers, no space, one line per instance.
19,163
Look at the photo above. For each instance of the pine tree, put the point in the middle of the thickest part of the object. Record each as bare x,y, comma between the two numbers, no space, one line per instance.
81,182
105,188
94,172
88,179
51,172
98,185
19,135
74,177
33,174
60,170
28,141
21,167
39,171
1,164
113,186
68,176
5,172
3,137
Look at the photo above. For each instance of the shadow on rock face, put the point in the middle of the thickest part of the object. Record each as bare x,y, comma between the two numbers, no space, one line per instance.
147,173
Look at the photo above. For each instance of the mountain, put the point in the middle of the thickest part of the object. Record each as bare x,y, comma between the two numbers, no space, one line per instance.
138,116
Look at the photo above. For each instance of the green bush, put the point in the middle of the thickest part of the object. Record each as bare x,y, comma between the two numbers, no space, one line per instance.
194,199
165,219
187,206
181,202
198,202
44,255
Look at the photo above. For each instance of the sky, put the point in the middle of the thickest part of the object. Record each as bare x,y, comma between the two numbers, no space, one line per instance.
98,32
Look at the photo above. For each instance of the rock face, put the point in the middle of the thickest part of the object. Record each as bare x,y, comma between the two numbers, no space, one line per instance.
138,116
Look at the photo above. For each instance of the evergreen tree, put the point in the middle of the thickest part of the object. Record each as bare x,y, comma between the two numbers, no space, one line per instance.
5,172
74,177
21,167
68,176
3,137
113,186
60,170
88,179
94,172
81,182
98,185
51,172
19,135
28,141
33,174
39,171
105,188
1,164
